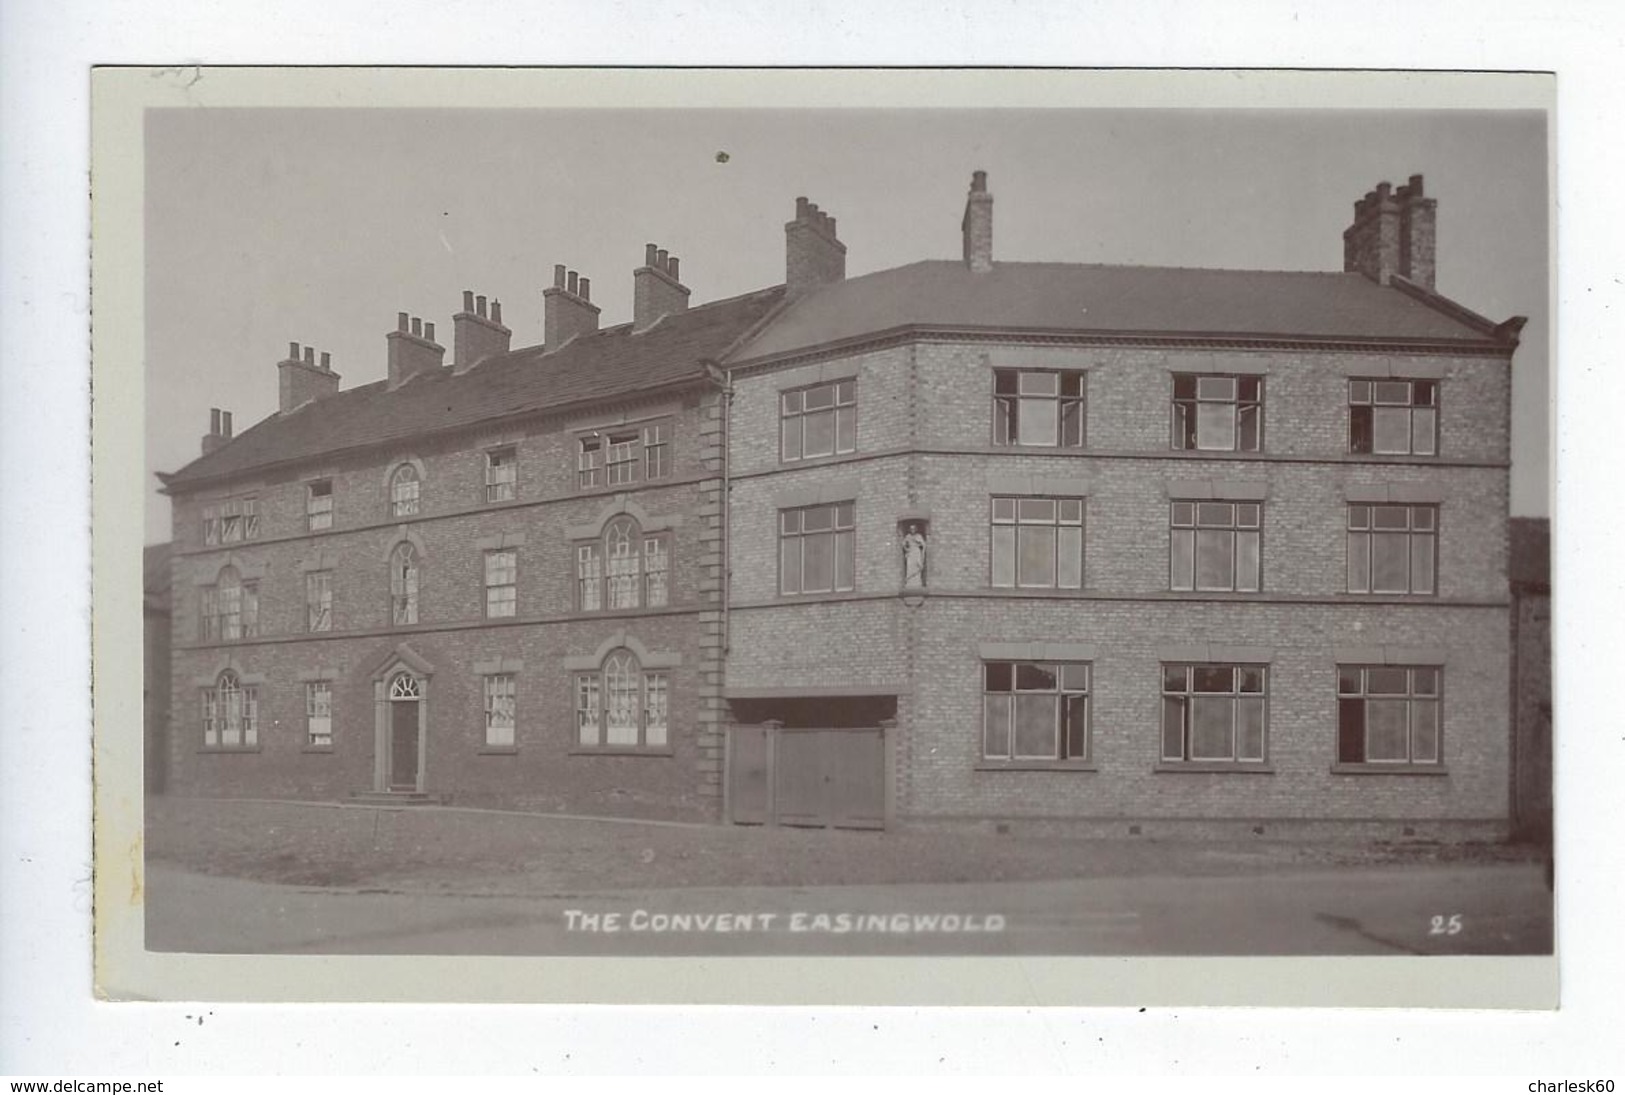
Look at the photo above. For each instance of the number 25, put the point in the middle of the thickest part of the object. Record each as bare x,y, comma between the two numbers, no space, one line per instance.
1441,926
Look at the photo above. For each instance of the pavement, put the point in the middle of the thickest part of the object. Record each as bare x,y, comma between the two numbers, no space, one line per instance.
1447,910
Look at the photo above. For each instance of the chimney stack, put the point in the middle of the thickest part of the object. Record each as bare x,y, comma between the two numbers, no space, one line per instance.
813,255
1417,213
656,292
412,349
1374,245
567,308
219,430
477,332
977,225
301,380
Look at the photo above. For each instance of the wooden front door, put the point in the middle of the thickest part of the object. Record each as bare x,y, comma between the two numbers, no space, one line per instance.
403,745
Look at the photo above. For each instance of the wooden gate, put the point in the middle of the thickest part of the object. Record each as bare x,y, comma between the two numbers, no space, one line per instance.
809,777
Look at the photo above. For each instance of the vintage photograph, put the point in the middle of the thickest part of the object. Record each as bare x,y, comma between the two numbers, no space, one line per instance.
887,531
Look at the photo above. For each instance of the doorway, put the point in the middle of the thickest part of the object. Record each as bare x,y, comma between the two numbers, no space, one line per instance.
405,734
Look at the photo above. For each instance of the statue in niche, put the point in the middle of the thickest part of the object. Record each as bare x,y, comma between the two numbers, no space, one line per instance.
914,558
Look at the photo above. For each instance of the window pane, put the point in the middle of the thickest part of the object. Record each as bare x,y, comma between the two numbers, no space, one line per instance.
1216,387
1004,509
1184,426
1184,513
845,562
1389,563
1247,561
1212,726
1422,429
1348,681
1425,681
1184,386
819,398
1075,709
1391,429
1040,384
1035,726
1390,517
843,514
818,438
1215,560
1360,517
1041,510
1037,420
818,563
792,403
1250,420
1072,511
1359,391
1215,514
996,735
1396,392
1214,678
1006,381
1425,732
1075,677
790,565
818,519
1385,730
1422,564
1249,389
1250,728
1004,421
1359,562
1360,429
1422,517
998,676
1036,556
1031,677
1174,678
844,391
790,439
1004,555
1173,728
1180,558
1247,515
1252,678
1069,562
1072,424
846,429
1386,681
1425,393
1350,731
1216,426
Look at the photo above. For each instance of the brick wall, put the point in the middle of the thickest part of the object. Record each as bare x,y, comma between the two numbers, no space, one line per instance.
452,528
924,446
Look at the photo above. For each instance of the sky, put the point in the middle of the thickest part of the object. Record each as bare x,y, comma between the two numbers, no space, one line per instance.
265,226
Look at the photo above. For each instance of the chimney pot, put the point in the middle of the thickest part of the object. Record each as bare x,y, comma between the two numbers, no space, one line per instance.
417,326
660,259
558,275
293,351
801,208
327,360
1383,190
585,291
479,305
978,181
671,268
649,254
572,283
1416,186
214,421
310,355
225,424
468,300
428,331
496,311
400,321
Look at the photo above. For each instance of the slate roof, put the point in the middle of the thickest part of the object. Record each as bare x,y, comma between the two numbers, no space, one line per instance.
608,363
1139,299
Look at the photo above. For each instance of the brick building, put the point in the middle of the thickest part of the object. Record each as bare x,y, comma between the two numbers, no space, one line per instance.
1124,548
1131,548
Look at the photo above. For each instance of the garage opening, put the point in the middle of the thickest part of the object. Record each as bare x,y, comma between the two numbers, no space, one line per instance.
817,762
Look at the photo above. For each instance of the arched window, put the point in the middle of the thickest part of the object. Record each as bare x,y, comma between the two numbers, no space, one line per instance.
231,607
405,687
403,491
403,583
621,705
625,568
231,713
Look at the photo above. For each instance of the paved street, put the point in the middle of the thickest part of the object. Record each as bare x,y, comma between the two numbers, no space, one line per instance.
1499,909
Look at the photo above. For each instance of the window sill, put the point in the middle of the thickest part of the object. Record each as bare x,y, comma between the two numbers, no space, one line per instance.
816,461
1215,766
230,749
1036,766
621,751
316,749
498,750
1367,769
